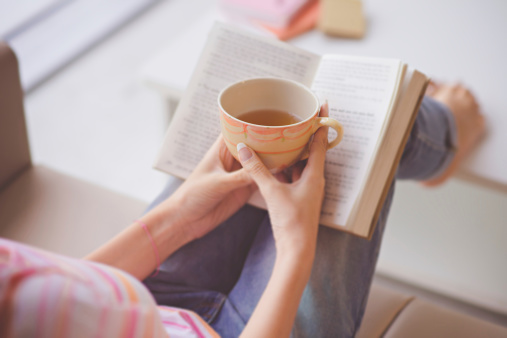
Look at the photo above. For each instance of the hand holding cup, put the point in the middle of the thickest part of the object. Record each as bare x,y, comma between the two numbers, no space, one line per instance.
274,117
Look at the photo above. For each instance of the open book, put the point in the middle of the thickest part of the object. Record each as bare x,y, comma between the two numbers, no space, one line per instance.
375,99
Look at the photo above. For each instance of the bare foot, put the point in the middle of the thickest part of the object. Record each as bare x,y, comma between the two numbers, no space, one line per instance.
470,125
433,86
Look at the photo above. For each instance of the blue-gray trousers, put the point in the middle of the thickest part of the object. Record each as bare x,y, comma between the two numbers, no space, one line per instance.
223,275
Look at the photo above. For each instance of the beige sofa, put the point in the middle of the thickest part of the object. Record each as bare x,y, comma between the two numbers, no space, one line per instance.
53,211
40,206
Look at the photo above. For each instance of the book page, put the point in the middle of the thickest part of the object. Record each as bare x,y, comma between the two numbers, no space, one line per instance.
388,153
360,93
230,55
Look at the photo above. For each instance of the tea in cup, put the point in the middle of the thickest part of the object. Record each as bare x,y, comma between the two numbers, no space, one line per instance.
275,117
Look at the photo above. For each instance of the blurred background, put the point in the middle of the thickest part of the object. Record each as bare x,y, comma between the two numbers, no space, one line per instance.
102,78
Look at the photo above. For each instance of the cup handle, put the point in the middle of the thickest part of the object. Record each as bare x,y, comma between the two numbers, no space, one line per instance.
326,122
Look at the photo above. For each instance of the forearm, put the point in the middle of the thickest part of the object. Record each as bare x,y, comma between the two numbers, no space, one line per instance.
275,313
133,252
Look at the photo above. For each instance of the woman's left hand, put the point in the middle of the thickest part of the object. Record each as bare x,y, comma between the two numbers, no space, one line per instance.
215,190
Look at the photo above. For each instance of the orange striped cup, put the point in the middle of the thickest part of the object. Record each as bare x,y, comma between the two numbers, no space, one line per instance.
278,147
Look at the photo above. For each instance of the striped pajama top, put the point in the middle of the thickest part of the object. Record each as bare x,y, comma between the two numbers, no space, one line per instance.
47,295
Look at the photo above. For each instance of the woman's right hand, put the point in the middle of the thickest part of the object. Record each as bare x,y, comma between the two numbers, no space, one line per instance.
294,205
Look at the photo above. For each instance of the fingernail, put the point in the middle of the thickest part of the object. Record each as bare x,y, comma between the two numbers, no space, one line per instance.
244,152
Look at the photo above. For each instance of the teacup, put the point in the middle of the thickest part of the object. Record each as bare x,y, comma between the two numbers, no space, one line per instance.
278,147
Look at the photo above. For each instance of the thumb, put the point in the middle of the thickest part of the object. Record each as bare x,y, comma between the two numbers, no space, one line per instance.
254,166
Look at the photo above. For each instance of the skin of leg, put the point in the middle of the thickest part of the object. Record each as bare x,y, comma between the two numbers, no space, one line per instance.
334,300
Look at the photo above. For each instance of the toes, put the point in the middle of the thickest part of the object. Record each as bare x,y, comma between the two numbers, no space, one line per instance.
432,88
470,124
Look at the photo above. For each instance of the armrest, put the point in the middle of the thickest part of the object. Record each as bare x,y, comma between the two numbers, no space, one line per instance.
421,319
14,148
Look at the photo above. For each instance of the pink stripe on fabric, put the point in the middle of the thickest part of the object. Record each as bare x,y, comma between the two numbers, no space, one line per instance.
208,328
7,254
175,324
40,255
167,309
190,321
9,290
110,280
68,298
153,245
132,325
28,254
102,323
43,304
85,268
17,258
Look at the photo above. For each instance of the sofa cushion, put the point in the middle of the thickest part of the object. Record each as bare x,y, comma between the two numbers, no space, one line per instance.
14,150
56,212
381,309
422,319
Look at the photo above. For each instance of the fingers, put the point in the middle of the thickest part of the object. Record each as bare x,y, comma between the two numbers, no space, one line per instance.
297,170
318,149
235,165
216,151
219,155
324,110
218,145
282,177
254,167
238,179
227,161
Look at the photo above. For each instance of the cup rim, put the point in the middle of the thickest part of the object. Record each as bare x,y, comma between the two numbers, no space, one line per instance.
316,112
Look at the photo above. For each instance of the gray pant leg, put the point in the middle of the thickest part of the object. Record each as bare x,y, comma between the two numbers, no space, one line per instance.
334,300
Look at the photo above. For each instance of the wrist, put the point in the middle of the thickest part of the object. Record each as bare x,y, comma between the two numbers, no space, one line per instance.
300,256
167,226
296,241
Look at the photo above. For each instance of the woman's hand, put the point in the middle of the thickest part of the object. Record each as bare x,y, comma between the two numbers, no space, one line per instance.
294,205
294,202
215,190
